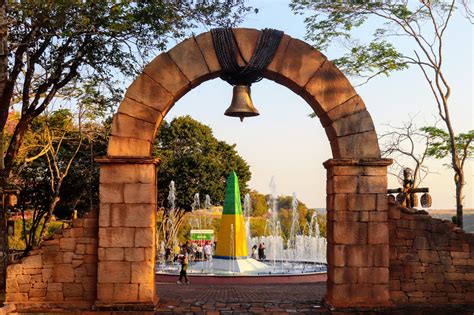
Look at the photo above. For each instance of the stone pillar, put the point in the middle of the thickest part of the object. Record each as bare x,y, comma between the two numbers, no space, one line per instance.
127,234
357,233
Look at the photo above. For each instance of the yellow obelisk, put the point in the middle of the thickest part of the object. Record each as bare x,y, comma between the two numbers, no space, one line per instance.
231,239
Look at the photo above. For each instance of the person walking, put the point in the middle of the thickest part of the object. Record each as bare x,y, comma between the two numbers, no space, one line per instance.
183,259
261,251
208,251
254,252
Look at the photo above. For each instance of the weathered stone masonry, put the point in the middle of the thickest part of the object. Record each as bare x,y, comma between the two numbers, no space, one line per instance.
61,273
431,260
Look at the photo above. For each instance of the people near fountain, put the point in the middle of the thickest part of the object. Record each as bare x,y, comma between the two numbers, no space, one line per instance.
168,253
183,258
176,251
208,251
261,251
254,252
199,250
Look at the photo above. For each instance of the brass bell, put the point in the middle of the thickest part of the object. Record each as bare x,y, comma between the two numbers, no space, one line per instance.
241,105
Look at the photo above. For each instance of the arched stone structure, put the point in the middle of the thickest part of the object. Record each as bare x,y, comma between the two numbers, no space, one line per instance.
358,238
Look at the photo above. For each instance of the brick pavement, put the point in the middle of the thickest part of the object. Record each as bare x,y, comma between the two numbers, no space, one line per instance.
238,298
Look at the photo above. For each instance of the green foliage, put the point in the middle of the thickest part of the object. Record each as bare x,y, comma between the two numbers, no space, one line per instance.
196,161
333,22
258,204
440,146
257,226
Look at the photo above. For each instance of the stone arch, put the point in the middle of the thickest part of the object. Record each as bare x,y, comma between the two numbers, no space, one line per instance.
358,247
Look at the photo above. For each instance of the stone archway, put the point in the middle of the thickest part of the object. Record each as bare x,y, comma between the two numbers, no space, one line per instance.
358,238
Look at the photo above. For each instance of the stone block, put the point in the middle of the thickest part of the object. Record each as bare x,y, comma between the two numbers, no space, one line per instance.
128,173
356,123
23,279
347,216
350,233
298,54
111,193
434,277
125,292
358,202
16,297
382,201
206,47
54,296
190,61
134,254
148,113
144,237
55,287
428,256
131,127
143,272
116,237
12,286
378,216
344,184
133,215
144,96
140,193
146,292
80,249
421,242
36,293
338,256
345,275
381,293
114,254
358,146
341,292
53,258
352,106
91,249
120,146
67,244
338,202
378,233
359,255
166,73
31,262
105,292
381,255
73,290
372,184
114,272
361,292
374,275
329,86
405,233
63,273
47,275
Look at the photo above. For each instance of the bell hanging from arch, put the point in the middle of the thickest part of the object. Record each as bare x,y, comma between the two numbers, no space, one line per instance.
241,105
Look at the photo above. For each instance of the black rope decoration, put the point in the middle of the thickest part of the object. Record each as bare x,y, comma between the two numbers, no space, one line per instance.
227,49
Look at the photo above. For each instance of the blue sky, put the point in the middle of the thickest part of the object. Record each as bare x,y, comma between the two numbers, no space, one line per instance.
285,143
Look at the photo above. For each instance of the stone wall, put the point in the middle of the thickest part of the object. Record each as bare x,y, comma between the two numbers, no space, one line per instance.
431,260
61,273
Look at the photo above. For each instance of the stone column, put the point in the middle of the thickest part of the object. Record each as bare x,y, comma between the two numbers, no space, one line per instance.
127,234
357,232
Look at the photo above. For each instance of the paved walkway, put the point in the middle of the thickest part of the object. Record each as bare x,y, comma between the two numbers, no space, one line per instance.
239,298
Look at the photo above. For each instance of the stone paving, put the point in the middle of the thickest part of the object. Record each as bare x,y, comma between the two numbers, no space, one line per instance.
236,298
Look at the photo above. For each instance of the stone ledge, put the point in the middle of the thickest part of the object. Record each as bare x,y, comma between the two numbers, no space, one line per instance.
127,160
131,306
354,162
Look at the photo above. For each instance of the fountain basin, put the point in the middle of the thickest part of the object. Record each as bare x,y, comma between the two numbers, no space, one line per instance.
285,272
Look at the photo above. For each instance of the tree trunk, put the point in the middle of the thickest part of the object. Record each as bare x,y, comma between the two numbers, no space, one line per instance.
459,181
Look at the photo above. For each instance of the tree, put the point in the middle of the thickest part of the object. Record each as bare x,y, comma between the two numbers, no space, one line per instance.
54,47
423,23
196,161
440,148
407,144
259,204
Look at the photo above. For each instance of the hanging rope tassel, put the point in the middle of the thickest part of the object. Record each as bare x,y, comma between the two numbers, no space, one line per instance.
226,50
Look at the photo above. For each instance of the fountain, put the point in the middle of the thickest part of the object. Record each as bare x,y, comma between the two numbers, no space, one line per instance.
301,259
